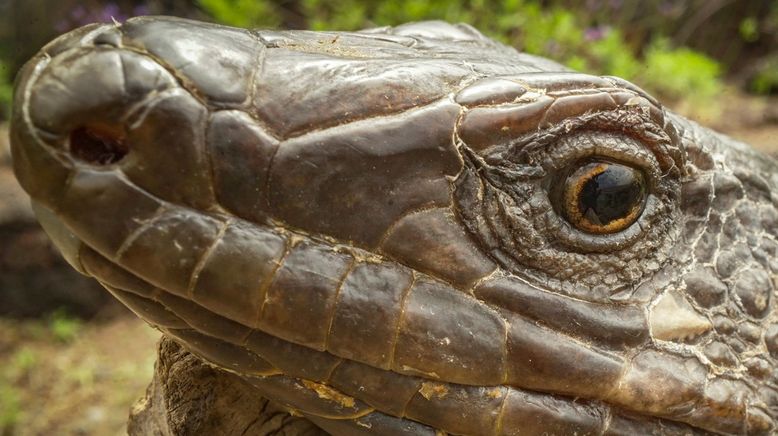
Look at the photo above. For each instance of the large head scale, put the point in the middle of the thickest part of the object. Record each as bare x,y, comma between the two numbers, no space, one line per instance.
411,228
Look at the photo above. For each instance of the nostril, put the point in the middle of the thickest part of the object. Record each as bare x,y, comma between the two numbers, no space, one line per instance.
98,145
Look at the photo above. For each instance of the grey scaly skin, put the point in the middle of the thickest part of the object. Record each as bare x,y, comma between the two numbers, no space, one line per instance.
367,227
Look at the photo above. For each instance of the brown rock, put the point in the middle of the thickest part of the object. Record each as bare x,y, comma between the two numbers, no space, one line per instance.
188,397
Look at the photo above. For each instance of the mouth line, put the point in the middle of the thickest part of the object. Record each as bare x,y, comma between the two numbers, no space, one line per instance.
233,347
332,398
218,340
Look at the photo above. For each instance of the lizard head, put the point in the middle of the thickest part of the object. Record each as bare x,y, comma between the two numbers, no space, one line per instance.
411,229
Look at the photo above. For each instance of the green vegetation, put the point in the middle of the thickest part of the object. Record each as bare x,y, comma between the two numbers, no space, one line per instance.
242,13
10,408
18,367
63,327
551,31
680,72
56,378
766,78
5,90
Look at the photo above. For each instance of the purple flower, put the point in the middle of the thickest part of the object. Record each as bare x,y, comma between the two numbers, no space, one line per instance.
596,33
111,9
62,26
111,12
668,9
593,5
552,48
140,10
78,12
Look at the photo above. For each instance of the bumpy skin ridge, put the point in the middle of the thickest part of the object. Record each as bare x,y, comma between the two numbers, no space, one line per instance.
361,226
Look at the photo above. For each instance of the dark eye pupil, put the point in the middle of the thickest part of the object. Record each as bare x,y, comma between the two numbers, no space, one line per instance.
610,195
603,197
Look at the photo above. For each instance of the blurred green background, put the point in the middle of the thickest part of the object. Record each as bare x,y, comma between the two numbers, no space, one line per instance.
678,50
73,362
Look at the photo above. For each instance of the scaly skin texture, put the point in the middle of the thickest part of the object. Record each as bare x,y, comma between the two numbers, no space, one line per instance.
361,226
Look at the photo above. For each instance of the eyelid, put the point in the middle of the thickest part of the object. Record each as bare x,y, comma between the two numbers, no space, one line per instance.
501,110
619,148
644,139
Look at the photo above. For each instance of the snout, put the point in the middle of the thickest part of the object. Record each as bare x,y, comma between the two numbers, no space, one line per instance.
98,106
96,128
110,122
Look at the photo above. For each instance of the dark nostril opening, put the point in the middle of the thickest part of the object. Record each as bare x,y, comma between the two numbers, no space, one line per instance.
98,146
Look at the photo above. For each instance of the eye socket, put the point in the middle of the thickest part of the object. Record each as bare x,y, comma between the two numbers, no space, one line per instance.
602,197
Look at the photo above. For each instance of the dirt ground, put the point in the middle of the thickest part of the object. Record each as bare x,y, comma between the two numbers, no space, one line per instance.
62,376
764,138
753,120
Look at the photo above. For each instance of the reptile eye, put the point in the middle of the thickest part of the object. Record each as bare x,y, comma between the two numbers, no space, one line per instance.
603,197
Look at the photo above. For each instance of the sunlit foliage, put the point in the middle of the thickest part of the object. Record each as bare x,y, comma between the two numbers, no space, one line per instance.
551,31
